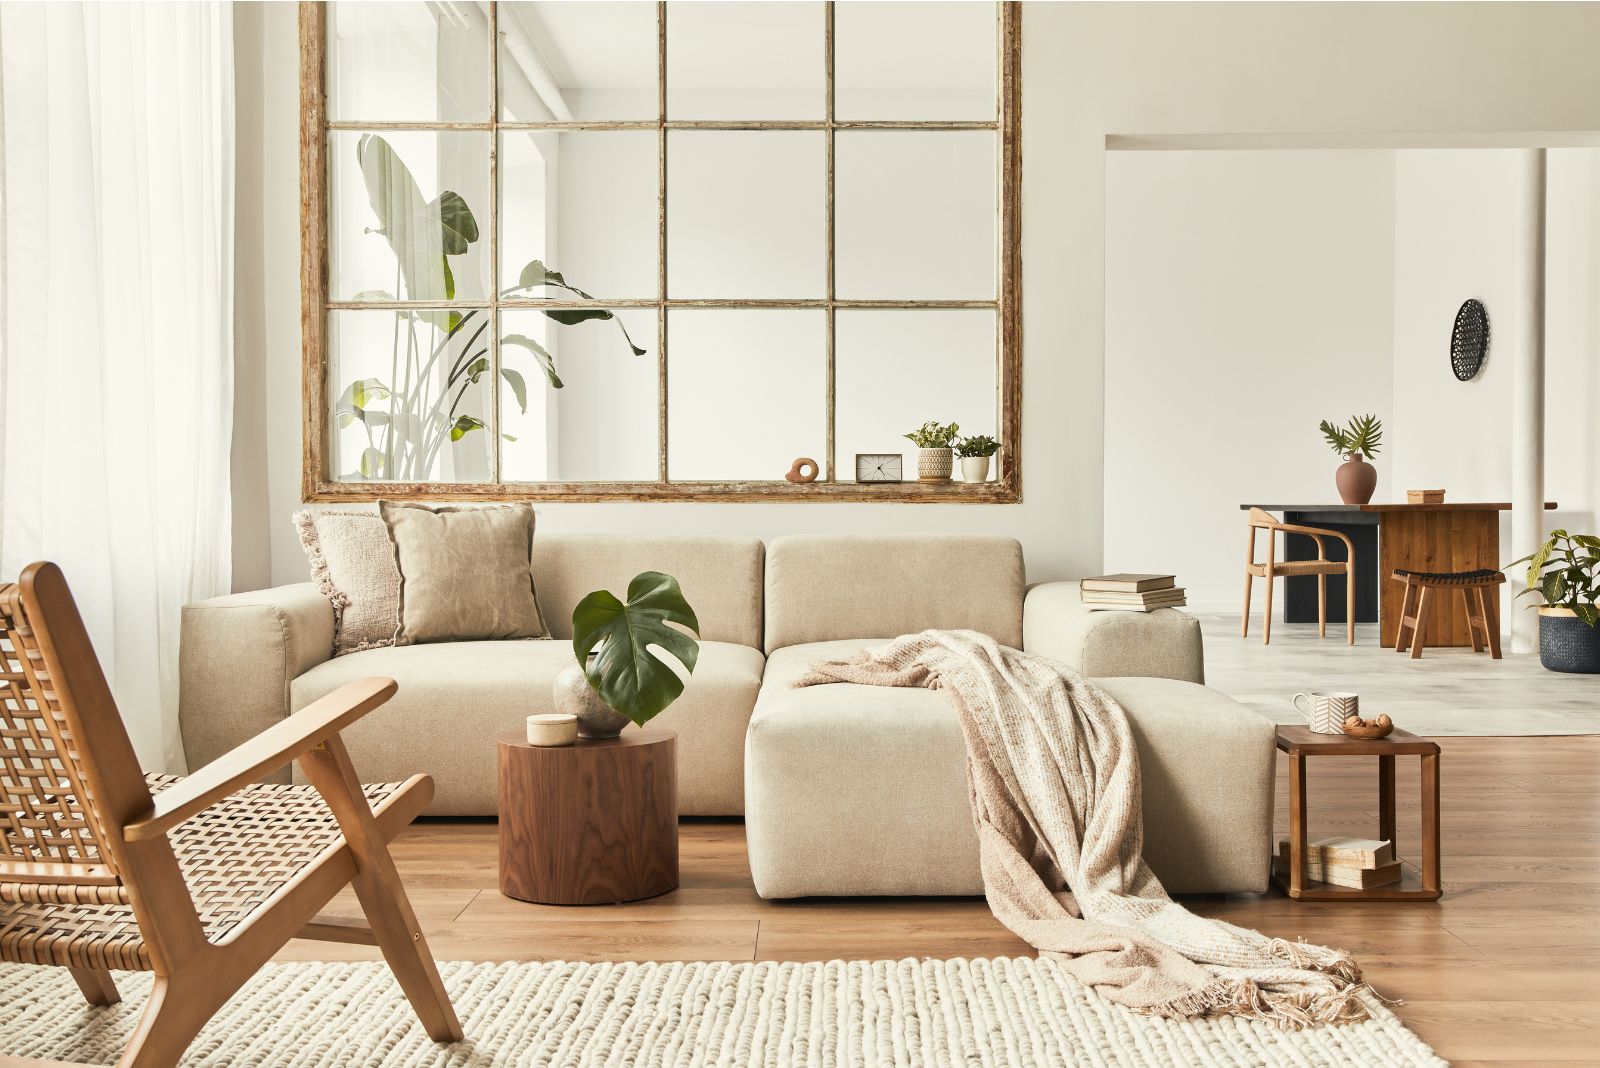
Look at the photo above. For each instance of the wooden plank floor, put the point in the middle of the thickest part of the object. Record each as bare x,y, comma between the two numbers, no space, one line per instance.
1504,970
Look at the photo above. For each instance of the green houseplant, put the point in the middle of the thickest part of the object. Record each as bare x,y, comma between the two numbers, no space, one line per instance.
616,677
933,441
975,452
1565,573
1355,478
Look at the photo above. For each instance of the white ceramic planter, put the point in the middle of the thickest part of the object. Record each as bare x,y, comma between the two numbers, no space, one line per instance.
934,465
975,468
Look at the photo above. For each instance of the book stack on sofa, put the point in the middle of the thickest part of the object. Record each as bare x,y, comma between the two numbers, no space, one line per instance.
1131,593
1357,863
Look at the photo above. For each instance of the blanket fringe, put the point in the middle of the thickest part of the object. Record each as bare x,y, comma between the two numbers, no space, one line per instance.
1246,998
1303,954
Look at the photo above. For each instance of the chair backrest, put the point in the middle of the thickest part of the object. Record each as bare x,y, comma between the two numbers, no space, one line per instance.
1262,518
69,779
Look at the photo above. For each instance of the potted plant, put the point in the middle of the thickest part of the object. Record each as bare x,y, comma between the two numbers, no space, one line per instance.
1355,478
933,441
1565,572
616,677
975,452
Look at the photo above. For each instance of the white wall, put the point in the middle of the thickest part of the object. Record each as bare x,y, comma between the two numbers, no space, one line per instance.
1248,294
1090,71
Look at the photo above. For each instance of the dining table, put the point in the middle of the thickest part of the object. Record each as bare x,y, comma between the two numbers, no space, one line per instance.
1448,536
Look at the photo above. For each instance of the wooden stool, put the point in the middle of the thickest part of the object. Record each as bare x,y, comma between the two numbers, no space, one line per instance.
1483,621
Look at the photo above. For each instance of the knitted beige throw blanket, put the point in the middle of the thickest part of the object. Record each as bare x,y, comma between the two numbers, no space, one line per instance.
1054,778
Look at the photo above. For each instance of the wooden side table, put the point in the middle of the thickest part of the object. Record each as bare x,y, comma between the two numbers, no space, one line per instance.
594,823
1301,743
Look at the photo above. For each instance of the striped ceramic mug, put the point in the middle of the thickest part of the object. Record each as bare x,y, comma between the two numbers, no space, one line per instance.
1326,712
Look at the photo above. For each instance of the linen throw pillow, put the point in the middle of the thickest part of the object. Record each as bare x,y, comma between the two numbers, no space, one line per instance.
352,562
466,573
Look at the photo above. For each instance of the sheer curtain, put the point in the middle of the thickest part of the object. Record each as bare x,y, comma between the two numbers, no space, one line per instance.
116,353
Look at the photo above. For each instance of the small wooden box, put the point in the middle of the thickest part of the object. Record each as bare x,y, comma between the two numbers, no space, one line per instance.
1424,496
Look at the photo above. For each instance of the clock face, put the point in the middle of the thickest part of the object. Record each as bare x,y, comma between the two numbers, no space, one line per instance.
878,467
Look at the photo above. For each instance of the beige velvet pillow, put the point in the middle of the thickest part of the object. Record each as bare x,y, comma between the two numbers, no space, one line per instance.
352,562
466,573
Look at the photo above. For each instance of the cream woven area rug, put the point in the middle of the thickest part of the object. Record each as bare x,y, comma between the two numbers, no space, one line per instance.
1011,1012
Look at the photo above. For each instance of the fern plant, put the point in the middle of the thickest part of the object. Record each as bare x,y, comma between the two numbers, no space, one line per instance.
1364,435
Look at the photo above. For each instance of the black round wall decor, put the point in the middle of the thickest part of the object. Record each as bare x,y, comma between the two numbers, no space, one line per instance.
1469,340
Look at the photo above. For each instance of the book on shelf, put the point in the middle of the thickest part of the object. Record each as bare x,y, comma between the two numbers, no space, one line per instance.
1345,875
1127,583
1346,852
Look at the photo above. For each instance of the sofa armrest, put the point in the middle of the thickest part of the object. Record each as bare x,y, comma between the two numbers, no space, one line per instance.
238,655
1164,644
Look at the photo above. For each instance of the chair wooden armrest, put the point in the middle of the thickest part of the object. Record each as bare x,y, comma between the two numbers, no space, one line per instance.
267,751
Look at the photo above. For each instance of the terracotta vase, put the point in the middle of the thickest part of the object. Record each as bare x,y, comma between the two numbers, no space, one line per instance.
935,465
1356,480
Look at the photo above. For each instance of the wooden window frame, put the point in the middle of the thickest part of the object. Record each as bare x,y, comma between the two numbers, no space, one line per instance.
316,483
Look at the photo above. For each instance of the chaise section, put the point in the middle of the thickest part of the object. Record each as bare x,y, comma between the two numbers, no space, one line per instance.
455,698
861,790
1163,644
239,655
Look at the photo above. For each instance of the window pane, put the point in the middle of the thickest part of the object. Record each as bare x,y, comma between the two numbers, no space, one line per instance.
745,215
923,61
745,392
915,214
742,60
406,209
566,62
408,62
600,424
585,205
895,370
406,401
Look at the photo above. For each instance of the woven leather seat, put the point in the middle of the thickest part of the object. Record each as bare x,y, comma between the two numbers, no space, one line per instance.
1482,576
234,856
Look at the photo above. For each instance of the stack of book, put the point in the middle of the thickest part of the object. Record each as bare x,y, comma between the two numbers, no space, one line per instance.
1357,863
1130,593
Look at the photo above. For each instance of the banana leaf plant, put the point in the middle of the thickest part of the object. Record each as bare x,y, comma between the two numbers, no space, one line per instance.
439,355
626,672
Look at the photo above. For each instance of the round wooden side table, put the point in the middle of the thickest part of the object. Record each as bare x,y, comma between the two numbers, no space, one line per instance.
594,823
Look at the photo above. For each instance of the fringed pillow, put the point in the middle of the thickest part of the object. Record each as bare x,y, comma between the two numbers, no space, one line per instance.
353,562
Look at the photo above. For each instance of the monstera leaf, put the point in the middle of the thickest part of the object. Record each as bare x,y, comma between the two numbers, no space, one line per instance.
627,674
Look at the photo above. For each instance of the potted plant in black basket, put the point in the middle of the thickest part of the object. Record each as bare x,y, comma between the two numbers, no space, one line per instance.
616,677
1565,572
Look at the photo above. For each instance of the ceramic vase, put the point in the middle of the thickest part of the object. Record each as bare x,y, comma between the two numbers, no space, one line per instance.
934,465
975,468
574,696
1356,480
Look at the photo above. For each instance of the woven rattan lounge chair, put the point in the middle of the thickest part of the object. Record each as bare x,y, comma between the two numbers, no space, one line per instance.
199,880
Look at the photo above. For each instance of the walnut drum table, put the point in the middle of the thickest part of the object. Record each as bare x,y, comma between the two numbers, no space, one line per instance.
594,823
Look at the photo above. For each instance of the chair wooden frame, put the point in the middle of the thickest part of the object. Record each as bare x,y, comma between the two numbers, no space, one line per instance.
1321,567
81,828
1483,625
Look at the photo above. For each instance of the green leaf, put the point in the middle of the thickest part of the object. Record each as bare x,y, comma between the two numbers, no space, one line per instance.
627,674
463,426
372,463
455,220
519,388
546,361
1587,612
415,236
1337,438
362,392
574,316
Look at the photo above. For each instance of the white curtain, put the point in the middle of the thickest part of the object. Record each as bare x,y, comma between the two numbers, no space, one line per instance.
116,353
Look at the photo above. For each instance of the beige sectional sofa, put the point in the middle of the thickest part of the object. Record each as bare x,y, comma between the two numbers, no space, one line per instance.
845,789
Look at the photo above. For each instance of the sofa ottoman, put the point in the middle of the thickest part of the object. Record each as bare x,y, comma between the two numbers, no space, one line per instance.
862,790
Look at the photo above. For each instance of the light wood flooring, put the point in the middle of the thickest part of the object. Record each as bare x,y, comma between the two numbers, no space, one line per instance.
1505,970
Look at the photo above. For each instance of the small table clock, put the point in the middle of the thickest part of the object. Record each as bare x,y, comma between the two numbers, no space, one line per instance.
878,467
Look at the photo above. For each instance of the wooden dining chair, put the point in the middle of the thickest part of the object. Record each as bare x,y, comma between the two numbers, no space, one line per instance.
199,880
1321,567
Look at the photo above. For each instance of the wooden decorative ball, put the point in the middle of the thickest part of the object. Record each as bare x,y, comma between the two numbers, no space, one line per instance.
1356,727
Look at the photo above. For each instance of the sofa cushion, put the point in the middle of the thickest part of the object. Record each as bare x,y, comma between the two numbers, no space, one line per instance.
862,789
720,577
352,563
456,698
830,587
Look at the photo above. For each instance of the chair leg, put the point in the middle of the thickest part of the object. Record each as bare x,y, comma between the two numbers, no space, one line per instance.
1420,627
1407,606
1266,615
1474,621
1350,602
171,1020
1244,618
97,985
1491,622
1322,606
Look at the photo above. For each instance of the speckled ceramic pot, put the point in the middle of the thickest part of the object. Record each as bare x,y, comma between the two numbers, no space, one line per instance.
574,696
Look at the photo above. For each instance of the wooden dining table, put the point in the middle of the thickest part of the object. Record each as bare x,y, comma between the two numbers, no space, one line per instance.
1453,536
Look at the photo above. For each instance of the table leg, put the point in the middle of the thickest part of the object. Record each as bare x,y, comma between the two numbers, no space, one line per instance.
1297,824
1430,823
1386,801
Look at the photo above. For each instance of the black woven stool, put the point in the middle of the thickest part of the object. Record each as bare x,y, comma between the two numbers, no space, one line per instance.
1472,585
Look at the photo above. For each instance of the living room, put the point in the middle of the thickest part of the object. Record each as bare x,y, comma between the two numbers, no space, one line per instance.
603,425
